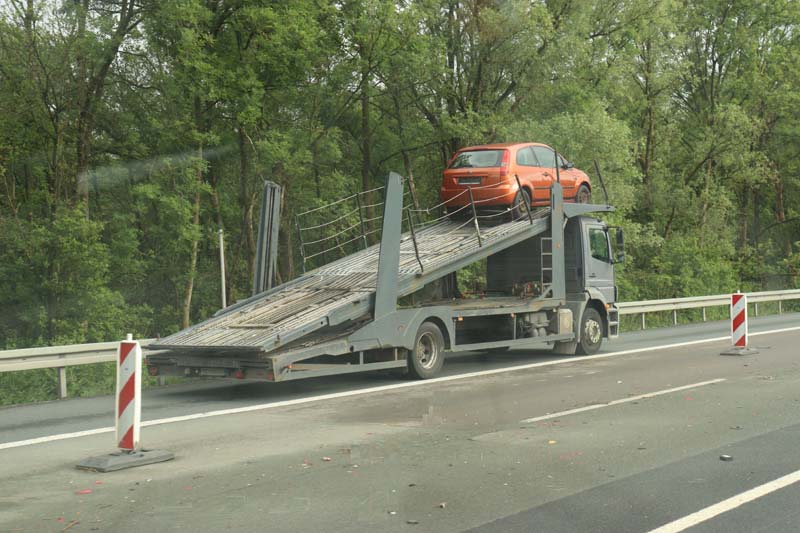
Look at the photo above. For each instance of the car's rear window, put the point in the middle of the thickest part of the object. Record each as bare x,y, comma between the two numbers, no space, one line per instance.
477,159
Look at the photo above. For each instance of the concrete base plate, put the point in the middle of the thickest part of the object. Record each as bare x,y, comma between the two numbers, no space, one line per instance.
739,351
123,459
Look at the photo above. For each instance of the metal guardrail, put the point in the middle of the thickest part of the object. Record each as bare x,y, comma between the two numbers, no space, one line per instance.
703,302
61,357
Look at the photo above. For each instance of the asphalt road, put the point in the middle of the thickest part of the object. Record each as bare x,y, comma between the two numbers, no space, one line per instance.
446,456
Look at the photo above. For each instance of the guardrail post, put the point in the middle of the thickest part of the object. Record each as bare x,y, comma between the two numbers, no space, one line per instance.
62,382
755,308
704,314
674,317
780,306
644,325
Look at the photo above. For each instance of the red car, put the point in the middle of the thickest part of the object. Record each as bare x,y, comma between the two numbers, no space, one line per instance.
489,171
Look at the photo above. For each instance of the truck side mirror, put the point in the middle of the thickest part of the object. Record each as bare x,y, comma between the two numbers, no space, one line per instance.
620,248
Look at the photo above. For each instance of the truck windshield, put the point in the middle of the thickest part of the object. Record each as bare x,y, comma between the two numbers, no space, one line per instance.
477,159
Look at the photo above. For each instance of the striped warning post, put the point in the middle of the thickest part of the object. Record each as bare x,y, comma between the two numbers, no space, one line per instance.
128,414
739,320
739,326
129,394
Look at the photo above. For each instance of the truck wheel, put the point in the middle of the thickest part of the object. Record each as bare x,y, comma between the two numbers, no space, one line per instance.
425,360
584,195
591,332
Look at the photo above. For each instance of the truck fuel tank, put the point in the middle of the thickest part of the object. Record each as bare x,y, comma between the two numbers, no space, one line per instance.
564,321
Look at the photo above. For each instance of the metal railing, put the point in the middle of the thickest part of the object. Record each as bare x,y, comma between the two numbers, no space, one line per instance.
61,357
703,302
329,232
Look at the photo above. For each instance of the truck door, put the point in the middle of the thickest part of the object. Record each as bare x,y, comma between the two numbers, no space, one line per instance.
599,266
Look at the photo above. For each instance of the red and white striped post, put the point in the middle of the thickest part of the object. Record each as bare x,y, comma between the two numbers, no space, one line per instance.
128,415
129,394
739,320
739,329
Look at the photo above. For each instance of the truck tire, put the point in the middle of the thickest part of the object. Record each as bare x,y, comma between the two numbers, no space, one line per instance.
591,332
425,360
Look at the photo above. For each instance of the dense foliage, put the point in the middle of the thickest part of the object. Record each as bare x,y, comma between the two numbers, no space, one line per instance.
133,130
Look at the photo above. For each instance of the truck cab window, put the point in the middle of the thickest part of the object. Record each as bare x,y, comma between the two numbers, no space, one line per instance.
598,243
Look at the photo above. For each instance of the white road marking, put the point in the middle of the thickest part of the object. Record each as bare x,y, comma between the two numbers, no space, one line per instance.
727,505
370,390
617,402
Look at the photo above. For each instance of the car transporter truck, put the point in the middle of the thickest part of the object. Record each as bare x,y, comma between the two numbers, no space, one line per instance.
549,282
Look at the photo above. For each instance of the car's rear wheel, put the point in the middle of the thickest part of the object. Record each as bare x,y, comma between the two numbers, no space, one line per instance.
518,207
584,195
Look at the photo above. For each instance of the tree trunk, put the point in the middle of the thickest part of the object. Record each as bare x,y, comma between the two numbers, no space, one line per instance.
246,204
403,152
188,290
780,216
366,140
84,115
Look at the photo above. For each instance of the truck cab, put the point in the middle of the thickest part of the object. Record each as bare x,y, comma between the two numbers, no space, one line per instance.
526,270
589,259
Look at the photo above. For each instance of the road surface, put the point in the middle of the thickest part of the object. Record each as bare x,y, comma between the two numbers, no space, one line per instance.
629,440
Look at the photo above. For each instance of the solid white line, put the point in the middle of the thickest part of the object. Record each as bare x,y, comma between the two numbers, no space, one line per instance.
51,438
727,505
782,330
370,390
617,402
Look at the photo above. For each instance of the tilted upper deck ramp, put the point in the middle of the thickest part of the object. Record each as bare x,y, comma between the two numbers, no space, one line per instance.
346,289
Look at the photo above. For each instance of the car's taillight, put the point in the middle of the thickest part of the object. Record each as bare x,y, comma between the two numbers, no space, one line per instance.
504,163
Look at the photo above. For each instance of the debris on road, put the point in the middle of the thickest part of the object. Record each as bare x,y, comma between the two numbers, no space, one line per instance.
413,522
724,457
326,459
552,442
442,505
71,524
84,491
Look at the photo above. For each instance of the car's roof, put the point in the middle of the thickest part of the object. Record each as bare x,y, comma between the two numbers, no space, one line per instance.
497,146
